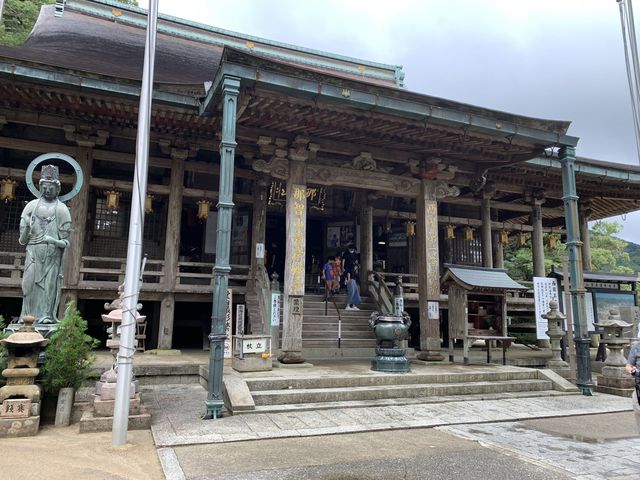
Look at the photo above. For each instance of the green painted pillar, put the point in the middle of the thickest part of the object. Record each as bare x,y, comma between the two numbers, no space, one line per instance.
214,401
567,157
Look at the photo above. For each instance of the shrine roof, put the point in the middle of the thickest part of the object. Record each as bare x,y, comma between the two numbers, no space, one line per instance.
480,278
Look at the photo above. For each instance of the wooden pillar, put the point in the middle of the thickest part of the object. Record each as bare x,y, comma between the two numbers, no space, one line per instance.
171,248
485,231
366,241
258,223
498,252
537,240
429,266
584,210
294,274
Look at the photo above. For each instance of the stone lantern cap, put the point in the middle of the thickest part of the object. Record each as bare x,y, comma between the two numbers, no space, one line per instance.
115,316
554,313
25,336
613,324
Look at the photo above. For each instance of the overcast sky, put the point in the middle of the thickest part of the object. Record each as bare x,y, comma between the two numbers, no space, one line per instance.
555,59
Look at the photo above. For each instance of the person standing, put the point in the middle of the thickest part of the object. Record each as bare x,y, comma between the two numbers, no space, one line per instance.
633,368
351,262
353,293
327,276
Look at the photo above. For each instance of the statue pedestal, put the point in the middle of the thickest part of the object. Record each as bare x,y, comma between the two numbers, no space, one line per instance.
391,360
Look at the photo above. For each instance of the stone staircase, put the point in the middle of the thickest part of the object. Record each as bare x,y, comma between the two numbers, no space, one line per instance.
326,334
318,392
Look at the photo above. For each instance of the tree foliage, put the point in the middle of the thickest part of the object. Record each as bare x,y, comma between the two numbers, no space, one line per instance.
20,16
69,354
608,253
18,19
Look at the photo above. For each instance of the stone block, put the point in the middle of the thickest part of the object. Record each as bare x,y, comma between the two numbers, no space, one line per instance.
16,408
19,427
237,396
616,382
251,364
107,391
90,423
104,408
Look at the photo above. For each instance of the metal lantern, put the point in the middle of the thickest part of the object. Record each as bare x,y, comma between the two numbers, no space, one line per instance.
450,232
203,209
522,239
503,237
148,204
7,189
468,233
112,200
411,229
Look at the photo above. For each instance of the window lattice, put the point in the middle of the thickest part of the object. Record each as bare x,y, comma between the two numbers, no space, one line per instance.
109,223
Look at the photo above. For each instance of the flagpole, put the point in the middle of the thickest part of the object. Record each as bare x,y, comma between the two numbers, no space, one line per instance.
136,225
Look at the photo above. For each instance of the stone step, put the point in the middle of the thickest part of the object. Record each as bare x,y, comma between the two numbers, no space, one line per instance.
341,394
333,343
385,402
383,379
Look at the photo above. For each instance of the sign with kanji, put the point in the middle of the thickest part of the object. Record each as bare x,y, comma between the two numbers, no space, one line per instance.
544,290
433,311
16,408
398,305
240,309
228,321
253,345
275,309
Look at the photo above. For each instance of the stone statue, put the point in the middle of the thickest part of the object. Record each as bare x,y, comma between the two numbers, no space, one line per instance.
45,226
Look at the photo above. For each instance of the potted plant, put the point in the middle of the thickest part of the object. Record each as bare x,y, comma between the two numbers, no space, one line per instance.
68,361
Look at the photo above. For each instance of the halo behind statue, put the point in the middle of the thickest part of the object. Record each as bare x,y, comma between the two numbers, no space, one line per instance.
55,156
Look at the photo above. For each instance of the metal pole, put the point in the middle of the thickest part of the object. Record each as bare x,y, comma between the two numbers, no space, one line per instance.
136,225
567,157
1,9
221,270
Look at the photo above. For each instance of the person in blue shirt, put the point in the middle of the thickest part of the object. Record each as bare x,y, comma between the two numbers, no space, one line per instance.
633,368
327,276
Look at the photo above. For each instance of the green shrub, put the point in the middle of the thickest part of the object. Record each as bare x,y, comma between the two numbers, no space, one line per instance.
69,355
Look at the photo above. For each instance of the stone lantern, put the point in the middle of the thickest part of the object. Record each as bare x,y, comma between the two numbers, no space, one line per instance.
20,397
100,417
614,379
555,324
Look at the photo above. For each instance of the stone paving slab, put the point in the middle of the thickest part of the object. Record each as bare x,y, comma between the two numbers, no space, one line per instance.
177,411
608,457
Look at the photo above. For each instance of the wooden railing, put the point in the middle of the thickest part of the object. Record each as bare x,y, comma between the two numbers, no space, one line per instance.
11,266
198,277
108,273
380,292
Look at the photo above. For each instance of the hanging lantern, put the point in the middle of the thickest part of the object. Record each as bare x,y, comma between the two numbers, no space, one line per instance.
112,200
8,189
522,239
148,204
450,232
411,229
468,233
203,209
553,241
503,237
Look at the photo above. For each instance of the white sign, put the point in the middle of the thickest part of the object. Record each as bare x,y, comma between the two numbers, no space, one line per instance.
275,309
398,305
240,308
588,301
259,250
253,345
228,321
433,311
544,290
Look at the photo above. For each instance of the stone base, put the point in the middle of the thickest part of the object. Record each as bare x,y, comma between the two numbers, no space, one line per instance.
616,382
90,423
251,364
563,371
430,355
290,357
19,427
390,364
277,364
621,392
163,352
107,391
104,408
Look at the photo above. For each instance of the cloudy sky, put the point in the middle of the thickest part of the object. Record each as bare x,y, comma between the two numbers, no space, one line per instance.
556,59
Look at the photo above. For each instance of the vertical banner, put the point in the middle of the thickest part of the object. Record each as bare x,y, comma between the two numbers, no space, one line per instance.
298,225
228,322
275,309
544,290
240,308
398,305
